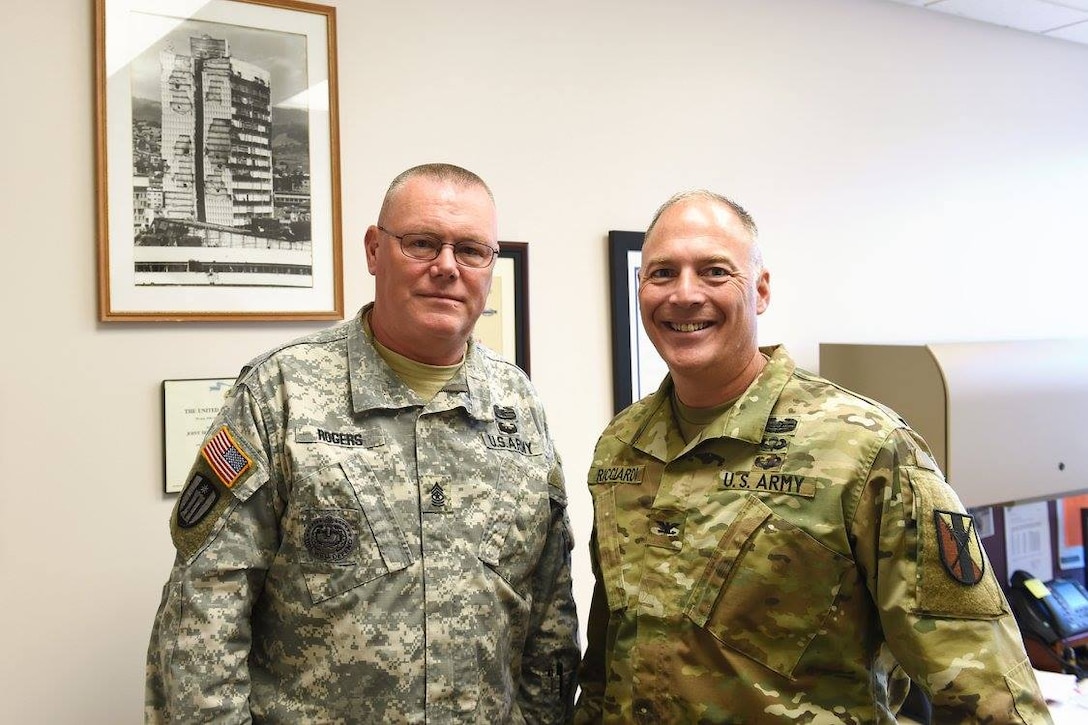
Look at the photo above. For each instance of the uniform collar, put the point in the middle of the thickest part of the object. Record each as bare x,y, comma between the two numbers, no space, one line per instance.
374,385
652,425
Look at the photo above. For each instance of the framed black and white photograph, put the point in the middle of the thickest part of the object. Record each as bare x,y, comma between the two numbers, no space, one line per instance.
218,160
637,369
504,324
188,409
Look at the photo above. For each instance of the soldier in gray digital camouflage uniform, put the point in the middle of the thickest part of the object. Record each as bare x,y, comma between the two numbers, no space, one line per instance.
375,528
768,546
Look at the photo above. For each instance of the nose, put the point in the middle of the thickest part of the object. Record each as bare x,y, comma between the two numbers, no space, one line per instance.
445,264
688,289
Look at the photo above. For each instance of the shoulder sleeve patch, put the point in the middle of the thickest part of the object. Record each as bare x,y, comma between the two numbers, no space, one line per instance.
954,577
203,503
226,472
226,457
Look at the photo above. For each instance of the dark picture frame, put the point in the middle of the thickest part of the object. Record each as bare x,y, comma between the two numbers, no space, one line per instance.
217,150
504,325
637,369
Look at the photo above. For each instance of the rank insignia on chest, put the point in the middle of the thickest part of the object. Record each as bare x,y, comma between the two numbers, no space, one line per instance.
666,529
438,496
959,546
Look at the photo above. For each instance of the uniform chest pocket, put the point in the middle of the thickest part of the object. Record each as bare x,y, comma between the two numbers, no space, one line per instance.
343,533
518,515
768,588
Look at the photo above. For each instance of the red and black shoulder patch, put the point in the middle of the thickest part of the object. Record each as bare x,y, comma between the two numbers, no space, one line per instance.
959,546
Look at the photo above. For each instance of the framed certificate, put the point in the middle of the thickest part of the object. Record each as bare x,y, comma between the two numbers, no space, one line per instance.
504,324
188,409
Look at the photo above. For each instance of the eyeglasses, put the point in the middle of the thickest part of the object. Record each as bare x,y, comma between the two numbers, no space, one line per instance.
425,248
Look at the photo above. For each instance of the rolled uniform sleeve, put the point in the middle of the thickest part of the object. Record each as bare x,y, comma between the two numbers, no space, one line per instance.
224,528
942,611
550,658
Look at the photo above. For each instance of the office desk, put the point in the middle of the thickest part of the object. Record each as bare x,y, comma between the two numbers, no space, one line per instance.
1068,702
1068,699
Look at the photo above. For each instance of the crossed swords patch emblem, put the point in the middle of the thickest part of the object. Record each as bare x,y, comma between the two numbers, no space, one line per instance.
959,546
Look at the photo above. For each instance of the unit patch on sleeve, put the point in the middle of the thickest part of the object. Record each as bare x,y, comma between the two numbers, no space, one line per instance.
198,498
198,510
226,457
959,546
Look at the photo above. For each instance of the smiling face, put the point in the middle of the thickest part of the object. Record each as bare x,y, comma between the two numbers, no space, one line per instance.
700,293
426,310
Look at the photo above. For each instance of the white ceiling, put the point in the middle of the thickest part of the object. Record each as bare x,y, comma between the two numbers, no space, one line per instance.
1065,19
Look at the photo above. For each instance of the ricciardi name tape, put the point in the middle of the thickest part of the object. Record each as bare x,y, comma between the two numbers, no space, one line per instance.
616,474
226,457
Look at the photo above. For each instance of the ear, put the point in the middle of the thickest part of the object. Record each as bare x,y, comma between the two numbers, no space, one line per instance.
370,244
763,291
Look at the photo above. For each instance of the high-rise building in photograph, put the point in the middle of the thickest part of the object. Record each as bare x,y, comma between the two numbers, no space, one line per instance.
216,136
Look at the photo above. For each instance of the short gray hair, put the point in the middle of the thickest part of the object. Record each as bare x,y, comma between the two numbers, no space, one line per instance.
746,219
438,172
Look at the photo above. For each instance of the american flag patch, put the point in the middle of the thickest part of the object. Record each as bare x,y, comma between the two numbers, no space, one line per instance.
225,457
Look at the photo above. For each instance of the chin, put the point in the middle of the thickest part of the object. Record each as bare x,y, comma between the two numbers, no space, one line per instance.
446,327
687,364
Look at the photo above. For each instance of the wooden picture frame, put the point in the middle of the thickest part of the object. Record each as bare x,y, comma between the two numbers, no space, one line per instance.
504,325
217,149
637,369
188,409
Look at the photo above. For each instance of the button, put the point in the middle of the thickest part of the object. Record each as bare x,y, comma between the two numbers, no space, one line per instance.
645,713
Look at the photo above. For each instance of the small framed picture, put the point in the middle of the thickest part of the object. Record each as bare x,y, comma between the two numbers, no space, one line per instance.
504,324
188,409
217,151
637,369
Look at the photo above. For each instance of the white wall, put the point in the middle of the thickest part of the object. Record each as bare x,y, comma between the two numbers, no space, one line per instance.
917,177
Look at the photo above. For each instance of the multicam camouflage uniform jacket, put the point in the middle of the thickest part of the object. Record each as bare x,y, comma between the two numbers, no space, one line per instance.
347,554
783,566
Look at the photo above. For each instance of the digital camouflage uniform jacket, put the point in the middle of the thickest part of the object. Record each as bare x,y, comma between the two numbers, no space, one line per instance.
347,554
780,566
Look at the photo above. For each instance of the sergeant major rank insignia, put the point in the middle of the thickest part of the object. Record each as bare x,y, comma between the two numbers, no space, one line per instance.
959,546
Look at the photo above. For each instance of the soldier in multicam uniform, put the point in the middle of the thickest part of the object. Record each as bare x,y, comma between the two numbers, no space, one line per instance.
768,546
375,529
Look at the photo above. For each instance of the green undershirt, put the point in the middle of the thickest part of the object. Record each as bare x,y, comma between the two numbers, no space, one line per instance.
425,380
692,420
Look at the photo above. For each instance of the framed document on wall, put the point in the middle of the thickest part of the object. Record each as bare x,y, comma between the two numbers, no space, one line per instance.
188,409
504,325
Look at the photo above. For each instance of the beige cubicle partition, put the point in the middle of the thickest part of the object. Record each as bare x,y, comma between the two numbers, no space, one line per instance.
1007,421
